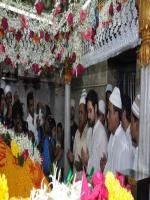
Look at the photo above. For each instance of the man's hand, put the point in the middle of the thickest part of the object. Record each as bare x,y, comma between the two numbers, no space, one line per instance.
78,165
103,162
84,156
70,156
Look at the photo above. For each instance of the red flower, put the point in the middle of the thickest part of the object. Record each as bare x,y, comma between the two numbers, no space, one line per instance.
41,34
18,36
39,7
72,58
111,9
4,23
36,68
80,69
25,154
82,16
58,56
50,68
47,37
7,61
70,19
118,6
57,11
2,49
31,34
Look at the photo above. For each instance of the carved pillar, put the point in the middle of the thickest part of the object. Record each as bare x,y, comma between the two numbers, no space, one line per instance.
144,56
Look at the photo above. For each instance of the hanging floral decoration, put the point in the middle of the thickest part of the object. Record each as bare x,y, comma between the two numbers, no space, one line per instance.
52,37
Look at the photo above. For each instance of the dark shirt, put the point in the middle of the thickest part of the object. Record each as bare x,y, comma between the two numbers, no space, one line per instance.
73,130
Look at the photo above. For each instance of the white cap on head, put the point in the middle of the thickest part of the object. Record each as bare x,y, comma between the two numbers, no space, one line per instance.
115,98
101,106
7,89
83,97
136,106
72,103
109,88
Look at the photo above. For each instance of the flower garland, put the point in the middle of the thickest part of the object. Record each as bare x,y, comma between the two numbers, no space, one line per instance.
21,146
76,27
4,195
100,187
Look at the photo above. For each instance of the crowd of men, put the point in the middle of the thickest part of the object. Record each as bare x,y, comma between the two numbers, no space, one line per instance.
108,133
106,137
39,126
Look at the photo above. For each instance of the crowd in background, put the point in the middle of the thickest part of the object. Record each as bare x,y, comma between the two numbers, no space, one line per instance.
106,137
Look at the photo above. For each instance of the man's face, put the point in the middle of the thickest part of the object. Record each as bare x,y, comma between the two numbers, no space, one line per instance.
72,113
31,107
8,98
92,113
17,124
82,116
2,103
134,128
111,117
108,93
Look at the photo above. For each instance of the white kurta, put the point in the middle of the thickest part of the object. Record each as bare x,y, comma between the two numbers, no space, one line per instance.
79,143
119,153
135,163
97,145
32,125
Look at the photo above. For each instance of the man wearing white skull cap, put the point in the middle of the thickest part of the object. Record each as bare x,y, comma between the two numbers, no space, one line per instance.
96,135
80,137
118,150
8,99
135,116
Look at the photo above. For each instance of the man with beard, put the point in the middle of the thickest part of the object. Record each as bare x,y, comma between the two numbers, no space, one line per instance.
96,136
73,127
80,138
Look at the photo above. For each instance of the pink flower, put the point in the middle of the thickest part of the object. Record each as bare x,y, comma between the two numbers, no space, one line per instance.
85,190
72,58
111,9
98,179
70,19
36,68
82,16
12,30
87,35
7,61
50,68
31,34
25,154
2,49
62,51
41,34
4,23
18,36
58,56
47,37
57,11
39,7
118,6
